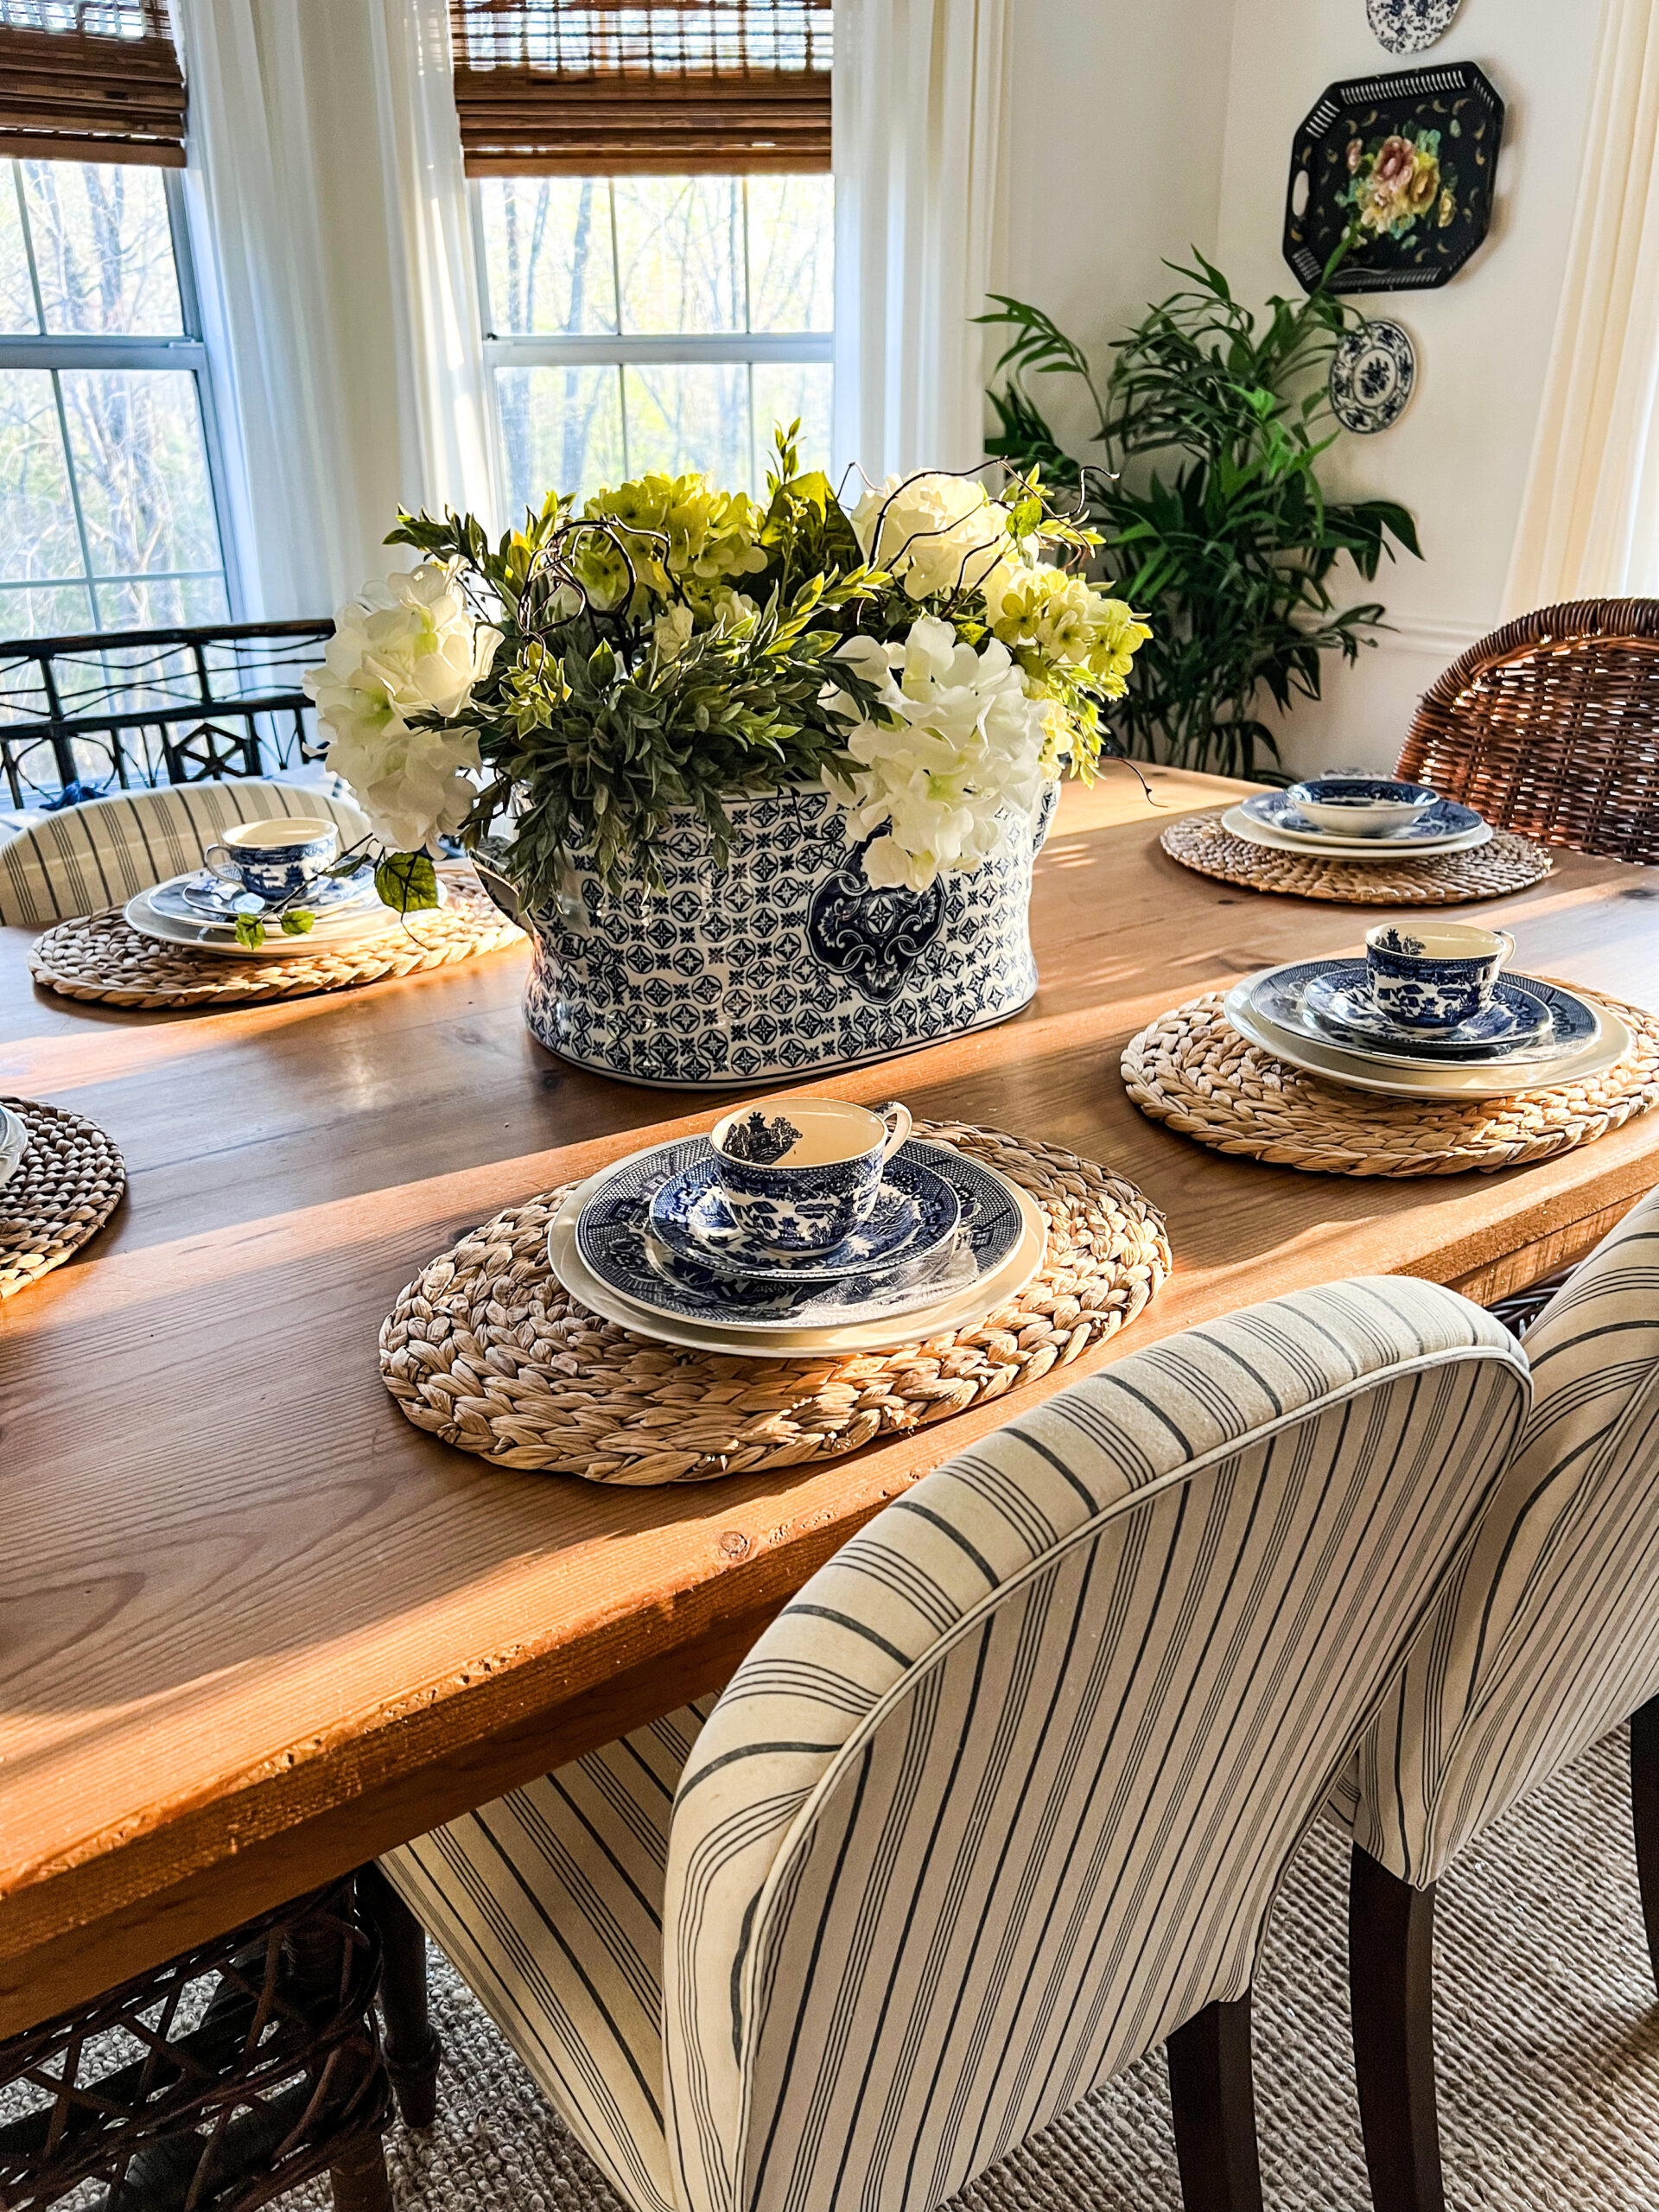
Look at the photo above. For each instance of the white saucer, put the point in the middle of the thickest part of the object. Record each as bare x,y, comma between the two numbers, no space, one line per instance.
14,1142
963,1311
351,925
1349,848
1480,1081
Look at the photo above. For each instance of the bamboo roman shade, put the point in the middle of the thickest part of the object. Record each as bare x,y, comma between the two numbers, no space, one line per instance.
90,80
591,87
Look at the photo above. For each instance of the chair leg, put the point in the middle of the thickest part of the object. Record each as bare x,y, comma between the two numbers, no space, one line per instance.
1391,1981
356,2175
1645,1812
413,2050
1212,2097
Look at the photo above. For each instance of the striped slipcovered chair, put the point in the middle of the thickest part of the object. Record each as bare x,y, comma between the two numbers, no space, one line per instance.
100,853
1002,1800
1547,1637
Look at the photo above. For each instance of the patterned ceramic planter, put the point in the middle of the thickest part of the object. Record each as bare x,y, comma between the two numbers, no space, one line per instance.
784,963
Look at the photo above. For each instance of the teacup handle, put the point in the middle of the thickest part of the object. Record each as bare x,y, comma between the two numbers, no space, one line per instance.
1508,942
898,1120
230,873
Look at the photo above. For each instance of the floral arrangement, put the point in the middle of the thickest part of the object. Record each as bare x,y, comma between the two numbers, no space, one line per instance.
931,659
1398,181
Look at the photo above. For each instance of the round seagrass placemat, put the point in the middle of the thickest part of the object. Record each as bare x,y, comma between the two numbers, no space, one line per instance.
58,1196
1192,1070
486,1349
1508,863
99,957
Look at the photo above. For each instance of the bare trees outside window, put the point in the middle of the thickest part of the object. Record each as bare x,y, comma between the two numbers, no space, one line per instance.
107,515
637,323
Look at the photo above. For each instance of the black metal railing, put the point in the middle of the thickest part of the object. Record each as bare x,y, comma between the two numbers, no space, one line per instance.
80,716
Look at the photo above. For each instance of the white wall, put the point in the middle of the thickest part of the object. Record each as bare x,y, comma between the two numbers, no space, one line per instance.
1149,124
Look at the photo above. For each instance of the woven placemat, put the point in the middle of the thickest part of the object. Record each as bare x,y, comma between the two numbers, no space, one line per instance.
1506,863
99,957
58,1196
1192,1070
487,1351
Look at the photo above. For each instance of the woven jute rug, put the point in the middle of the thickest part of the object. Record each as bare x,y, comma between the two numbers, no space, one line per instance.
485,1351
1508,863
99,957
1192,1070
60,1193
1548,2040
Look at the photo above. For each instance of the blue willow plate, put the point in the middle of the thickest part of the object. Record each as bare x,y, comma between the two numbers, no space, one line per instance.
1545,1022
916,1212
614,1240
1447,819
202,897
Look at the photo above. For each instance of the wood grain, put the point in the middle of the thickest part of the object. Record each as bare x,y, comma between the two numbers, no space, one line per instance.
253,1626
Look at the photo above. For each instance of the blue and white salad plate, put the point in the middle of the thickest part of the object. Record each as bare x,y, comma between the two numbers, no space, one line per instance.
1270,1010
1271,818
1327,1002
202,897
917,1212
1000,1246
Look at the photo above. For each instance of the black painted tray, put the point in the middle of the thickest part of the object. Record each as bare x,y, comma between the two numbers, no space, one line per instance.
1410,159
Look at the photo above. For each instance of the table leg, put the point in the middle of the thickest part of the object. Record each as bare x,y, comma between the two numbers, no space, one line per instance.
413,2050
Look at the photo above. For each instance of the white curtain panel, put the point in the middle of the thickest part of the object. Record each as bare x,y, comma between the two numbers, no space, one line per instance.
341,299
1590,517
921,97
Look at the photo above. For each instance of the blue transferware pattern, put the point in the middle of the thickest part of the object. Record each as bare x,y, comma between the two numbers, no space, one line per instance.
1277,810
1347,1011
1362,791
1550,1023
787,962
783,1206
277,871
1420,990
615,1243
916,1212
1372,373
208,899
1410,26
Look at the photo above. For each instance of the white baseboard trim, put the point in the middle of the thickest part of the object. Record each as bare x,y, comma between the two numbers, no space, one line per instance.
1445,639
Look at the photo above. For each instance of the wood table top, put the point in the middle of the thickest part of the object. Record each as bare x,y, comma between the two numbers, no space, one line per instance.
254,1627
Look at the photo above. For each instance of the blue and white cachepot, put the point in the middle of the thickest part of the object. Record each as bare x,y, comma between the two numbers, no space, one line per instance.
786,962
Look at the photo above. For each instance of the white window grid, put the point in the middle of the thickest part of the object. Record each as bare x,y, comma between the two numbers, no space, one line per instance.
57,352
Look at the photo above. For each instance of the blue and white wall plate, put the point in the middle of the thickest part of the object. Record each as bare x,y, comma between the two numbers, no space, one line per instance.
1409,26
916,1212
613,1244
1373,375
1446,824
1400,1078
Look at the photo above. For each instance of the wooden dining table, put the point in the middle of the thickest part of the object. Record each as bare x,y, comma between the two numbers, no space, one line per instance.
255,1627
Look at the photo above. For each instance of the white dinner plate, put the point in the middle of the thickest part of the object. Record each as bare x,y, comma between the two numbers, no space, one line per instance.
963,1311
1349,848
332,931
1478,1081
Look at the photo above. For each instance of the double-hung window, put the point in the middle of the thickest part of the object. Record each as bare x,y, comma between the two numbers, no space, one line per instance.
108,519
654,217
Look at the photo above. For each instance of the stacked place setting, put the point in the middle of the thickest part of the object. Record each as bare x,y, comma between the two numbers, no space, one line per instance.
818,1228
270,890
1346,815
1428,1013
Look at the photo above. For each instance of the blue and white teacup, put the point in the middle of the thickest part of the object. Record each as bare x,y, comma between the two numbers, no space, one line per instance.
274,859
1434,975
800,1177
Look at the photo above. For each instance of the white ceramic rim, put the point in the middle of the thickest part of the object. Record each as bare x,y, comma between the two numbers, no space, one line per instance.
964,1311
1357,848
330,934
14,1142
237,834
1613,1045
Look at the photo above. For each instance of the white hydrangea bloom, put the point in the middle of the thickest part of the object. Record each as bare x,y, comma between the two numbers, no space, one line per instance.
409,647
963,756
935,533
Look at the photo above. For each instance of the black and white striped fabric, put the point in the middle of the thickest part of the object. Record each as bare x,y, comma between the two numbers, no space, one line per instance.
1548,1635
1003,1798
101,853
